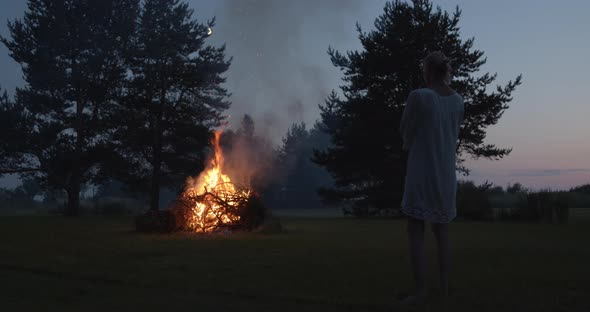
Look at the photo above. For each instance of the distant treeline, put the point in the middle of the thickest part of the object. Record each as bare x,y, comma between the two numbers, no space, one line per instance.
296,189
516,203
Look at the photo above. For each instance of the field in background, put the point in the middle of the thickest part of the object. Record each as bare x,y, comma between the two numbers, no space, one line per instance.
580,213
575,213
319,264
309,213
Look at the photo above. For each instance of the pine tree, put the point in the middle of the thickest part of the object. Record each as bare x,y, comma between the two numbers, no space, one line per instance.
71,54
297,178
366,159
15,126
174,99
247,127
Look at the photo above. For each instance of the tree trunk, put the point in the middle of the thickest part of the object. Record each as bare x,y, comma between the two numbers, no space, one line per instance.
73,204
156,163
73,188
157,152
155,187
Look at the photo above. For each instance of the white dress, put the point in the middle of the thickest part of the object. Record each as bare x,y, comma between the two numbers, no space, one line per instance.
430,129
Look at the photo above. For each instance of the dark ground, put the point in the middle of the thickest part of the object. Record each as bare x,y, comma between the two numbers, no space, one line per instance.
329,264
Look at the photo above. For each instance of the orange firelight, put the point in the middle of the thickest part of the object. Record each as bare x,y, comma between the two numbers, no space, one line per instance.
212,188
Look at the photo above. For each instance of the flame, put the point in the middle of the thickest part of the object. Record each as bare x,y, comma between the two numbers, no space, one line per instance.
207,214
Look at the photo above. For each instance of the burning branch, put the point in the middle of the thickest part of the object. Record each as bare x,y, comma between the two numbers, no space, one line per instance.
211,203
227,206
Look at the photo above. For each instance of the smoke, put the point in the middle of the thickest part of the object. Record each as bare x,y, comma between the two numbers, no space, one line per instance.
280,70
249,161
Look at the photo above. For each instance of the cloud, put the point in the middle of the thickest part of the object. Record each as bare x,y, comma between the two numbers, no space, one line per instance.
544,172
514,173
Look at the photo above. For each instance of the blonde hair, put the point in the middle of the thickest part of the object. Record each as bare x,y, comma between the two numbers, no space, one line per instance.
438,65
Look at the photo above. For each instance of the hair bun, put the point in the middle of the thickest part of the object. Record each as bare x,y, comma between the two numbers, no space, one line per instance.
438,64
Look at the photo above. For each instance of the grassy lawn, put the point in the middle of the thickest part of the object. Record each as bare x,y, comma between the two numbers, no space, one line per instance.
100,264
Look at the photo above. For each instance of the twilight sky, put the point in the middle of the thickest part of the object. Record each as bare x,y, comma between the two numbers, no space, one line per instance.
281,71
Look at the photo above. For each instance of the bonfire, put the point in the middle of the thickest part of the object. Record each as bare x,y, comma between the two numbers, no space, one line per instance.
215,202
210,203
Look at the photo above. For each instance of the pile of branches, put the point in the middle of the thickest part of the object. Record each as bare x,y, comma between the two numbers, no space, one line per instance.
242,210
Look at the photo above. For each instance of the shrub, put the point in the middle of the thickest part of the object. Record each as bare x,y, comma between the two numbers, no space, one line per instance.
473,202
583,189
561,204
537,208
496,190
545,206
517,203
508,205
358,210
578,199
515,188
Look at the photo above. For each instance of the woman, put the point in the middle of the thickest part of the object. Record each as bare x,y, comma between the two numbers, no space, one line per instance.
430,129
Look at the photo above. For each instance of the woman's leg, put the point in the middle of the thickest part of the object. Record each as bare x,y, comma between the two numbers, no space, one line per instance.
416,240
441,232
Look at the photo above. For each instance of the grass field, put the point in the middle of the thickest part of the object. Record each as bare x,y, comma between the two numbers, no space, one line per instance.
329,264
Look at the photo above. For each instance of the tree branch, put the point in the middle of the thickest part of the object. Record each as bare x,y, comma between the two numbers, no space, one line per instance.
20,170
